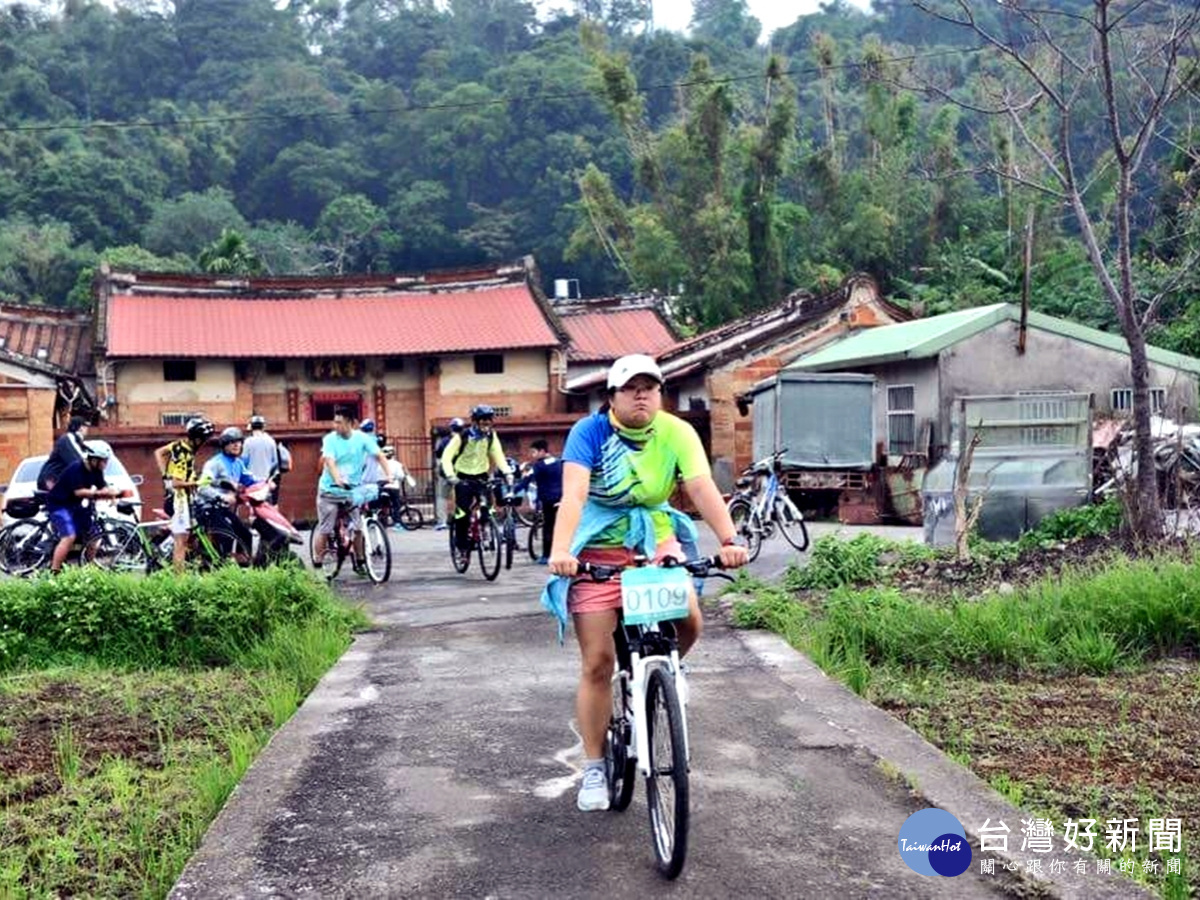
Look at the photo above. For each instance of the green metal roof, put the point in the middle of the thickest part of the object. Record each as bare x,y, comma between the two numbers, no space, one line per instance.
923,338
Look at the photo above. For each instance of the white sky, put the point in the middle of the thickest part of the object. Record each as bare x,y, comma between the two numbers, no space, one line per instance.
674,15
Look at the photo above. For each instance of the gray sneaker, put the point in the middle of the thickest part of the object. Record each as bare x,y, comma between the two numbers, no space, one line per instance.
593,792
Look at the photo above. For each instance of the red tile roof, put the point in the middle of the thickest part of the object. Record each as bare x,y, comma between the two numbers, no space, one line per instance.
395,323
604,336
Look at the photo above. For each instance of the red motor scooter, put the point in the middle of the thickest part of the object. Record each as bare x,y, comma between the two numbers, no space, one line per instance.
275,532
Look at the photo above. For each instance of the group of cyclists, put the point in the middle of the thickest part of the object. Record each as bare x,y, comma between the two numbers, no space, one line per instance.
604,501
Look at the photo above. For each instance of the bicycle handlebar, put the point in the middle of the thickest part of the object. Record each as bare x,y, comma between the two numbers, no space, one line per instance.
698,568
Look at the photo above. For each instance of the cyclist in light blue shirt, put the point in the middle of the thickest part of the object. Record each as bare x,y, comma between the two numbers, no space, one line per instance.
344,453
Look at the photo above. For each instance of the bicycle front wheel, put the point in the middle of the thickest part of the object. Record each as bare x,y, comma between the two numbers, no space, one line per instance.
489,549
746,524
224,547
791,524
535,539
667,783
378,550
116,547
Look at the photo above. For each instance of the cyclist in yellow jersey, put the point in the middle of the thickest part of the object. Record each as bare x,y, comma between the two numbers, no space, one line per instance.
466,463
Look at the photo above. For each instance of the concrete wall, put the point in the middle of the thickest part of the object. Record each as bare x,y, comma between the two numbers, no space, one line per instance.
26,424
988,363
923,375
143,396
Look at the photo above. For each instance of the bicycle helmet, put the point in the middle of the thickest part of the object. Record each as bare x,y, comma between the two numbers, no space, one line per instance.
199,428
95,451
389,451
457,425
257,423
381,439
483,411
231,435
368,426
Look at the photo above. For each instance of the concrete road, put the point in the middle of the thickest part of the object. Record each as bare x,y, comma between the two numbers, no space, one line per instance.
439,759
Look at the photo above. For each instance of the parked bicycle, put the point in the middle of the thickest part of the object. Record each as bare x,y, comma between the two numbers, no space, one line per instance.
376,553
27,544
483,537
761,506
407,516
647,733
148,546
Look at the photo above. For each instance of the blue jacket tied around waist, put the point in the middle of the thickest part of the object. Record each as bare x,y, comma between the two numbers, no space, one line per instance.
595,520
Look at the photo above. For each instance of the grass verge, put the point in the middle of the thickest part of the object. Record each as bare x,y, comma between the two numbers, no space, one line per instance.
115,754
1074,696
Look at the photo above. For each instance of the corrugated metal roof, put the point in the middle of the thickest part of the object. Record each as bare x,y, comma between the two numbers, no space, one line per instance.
923,338
607,335
381,324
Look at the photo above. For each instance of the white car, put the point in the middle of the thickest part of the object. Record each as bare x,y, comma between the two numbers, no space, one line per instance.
24,480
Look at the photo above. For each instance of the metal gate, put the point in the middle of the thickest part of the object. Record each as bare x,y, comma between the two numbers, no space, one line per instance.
415,452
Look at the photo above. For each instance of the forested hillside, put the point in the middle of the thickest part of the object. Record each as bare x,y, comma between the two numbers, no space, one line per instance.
334,136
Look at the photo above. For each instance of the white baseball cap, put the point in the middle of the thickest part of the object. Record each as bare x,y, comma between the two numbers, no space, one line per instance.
628,366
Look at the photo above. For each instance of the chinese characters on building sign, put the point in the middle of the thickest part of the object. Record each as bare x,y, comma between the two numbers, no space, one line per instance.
335,369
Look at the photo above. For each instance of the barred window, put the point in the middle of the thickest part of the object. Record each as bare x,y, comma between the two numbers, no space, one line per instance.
901,419
176,418
1122,400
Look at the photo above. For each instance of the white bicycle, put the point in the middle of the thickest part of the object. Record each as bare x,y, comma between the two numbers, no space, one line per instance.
648,733
761,507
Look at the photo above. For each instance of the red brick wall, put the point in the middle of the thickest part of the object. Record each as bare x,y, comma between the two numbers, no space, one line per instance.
26,424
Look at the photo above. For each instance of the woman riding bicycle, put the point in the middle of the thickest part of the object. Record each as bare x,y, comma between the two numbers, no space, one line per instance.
619,470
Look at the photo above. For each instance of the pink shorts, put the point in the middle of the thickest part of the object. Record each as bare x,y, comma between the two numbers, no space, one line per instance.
587,596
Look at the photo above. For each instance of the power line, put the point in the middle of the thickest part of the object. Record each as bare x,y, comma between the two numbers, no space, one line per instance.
129,124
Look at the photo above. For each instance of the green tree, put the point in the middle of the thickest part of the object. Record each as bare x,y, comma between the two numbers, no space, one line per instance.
347,231
188,223
229,255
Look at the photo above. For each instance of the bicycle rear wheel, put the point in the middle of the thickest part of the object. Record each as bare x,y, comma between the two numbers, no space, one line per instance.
461,559
378,550
746,524
535,538
618,751
29,546
411,518
489,548
791,524
510,539
667,784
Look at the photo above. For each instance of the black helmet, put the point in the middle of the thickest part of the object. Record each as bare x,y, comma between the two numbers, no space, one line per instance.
483,411
199,428
230,435
257,423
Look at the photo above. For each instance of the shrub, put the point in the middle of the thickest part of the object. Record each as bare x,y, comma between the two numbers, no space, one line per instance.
1095,520
163,619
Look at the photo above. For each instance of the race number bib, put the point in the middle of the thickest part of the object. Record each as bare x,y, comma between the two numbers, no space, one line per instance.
653,593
